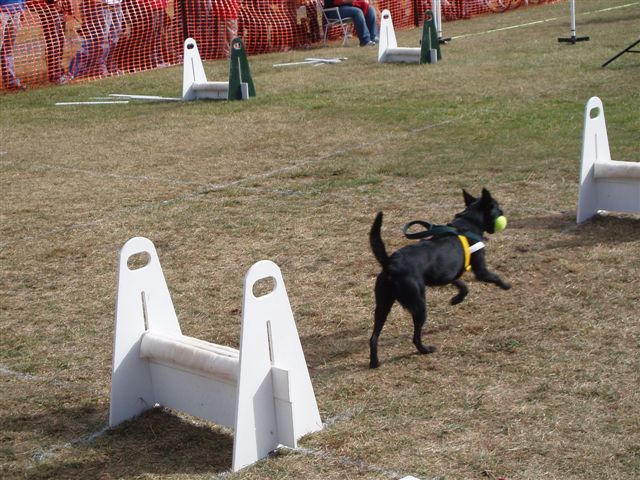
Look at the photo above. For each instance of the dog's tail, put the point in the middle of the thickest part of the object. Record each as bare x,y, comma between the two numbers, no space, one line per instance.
375,239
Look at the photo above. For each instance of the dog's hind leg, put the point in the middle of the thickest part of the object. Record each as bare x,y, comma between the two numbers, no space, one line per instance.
416,304
384,302
462,291
419,319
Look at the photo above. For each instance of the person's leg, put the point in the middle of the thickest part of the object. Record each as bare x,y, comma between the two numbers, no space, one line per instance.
359,22
53,39
9,78
230,32
105,26
157,30
372,24
115,32
58,44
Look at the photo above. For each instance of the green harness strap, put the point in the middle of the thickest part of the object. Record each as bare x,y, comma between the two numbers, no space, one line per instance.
431,230
435,231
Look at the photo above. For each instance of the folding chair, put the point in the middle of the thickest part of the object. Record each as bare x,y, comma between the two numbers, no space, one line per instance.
335,20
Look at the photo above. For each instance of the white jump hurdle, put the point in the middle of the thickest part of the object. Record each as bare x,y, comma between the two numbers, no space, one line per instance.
605,184
389,52
195,85
263,391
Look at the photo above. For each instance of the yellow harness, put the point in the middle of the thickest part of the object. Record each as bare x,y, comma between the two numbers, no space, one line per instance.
467,252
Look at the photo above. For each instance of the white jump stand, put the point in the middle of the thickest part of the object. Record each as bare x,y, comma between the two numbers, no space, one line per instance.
605,184
389,52
263,391
195,85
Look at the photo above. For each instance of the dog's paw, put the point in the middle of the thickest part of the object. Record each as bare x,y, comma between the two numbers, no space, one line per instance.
374,364
455,300
505,285
426,349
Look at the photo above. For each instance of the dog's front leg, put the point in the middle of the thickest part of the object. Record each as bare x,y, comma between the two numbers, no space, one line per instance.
484,275
462,291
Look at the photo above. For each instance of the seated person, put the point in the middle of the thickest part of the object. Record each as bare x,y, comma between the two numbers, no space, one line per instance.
363,15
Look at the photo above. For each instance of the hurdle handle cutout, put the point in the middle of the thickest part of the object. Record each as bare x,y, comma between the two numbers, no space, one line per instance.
138,260
263,286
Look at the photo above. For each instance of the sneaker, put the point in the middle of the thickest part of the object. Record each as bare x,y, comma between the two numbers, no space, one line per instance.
16,85
64,78
370,43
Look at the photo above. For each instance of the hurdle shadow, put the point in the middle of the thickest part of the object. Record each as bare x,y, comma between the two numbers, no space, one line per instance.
157,443
612,229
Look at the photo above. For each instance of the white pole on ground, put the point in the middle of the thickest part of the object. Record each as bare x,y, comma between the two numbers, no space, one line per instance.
573,39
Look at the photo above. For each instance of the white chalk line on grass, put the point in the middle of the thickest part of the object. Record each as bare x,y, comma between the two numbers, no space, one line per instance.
7,372
206,188
334,458
43,455
95,173
538,22
54,451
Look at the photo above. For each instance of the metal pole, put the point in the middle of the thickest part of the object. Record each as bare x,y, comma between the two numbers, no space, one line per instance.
437,13
573,39
629,49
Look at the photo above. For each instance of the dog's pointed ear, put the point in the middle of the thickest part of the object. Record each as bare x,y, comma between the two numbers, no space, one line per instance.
468,198
486,197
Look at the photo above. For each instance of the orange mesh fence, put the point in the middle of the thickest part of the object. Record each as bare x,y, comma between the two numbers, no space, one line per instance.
56,41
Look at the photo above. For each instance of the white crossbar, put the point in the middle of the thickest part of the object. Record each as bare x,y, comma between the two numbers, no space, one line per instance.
263,391
401,55
211,90
192,354
605,184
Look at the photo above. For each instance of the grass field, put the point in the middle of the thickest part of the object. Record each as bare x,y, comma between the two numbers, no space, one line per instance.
537,382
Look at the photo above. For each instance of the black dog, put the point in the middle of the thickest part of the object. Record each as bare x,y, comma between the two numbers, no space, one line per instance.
439,260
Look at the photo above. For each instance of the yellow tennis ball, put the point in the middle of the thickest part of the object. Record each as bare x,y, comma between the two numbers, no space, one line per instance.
501,224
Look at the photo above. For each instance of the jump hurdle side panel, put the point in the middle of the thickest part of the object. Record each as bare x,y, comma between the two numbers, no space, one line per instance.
387,35
193,71
241,86
269,338
143,301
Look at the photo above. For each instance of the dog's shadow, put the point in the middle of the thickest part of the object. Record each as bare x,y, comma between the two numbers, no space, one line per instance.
333,346
327,354
157,443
